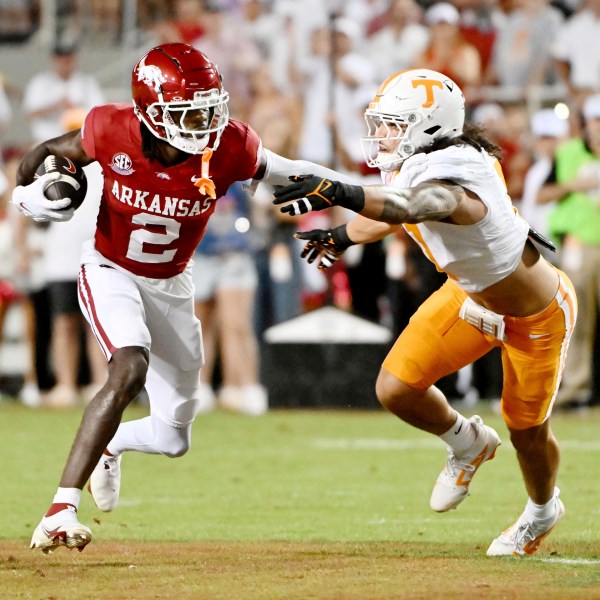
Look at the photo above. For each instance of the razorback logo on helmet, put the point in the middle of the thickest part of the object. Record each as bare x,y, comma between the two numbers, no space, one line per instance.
151,75
178,95
122,164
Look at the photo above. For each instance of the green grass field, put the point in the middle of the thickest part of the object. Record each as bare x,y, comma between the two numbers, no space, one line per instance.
348,483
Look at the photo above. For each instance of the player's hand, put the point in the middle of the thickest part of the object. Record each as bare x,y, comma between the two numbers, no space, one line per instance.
326,245
30,200
309,192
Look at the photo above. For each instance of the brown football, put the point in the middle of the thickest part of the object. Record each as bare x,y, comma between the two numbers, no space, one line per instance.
72,183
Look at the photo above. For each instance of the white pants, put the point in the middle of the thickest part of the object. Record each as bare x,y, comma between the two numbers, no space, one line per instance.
156,314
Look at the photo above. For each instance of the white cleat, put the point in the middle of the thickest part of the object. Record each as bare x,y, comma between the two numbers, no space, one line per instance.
105,482
452,485
525,537
61,529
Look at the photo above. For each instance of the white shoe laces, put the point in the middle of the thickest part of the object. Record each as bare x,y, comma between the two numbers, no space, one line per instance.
523,535
453,464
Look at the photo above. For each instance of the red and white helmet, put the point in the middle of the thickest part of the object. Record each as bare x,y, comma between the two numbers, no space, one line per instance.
177,93
414,107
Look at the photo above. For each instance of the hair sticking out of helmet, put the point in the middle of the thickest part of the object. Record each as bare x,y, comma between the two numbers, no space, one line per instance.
177,93
410,111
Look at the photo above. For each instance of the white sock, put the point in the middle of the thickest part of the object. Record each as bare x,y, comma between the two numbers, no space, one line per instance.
460,436
540,512
67,496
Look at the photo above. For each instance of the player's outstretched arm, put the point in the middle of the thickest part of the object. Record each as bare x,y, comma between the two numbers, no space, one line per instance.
276,170
429,201
326,246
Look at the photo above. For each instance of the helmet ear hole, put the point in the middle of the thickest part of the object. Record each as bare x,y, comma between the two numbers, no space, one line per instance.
433,130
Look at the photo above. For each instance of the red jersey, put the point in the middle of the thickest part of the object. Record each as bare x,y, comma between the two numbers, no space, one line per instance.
152,217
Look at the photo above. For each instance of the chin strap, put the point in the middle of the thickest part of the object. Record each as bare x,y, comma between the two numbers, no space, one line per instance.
205,184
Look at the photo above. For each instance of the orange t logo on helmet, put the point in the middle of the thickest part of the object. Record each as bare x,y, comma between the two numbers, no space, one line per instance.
429,84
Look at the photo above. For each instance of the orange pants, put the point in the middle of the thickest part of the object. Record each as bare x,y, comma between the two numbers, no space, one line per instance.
438,342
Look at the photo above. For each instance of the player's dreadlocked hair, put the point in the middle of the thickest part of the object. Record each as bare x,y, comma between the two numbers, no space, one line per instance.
149,144
472,135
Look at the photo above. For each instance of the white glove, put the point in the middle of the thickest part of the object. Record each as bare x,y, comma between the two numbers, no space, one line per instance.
30,200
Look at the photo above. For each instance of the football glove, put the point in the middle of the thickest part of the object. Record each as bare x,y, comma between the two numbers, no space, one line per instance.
327,245
309,192
31,201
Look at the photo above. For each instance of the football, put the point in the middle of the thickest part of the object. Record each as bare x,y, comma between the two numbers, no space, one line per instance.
72,183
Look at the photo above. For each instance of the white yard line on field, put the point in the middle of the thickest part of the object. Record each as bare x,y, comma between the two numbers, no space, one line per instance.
425,444
570,561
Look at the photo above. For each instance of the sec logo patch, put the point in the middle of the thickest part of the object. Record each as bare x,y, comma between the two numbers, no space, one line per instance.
121,163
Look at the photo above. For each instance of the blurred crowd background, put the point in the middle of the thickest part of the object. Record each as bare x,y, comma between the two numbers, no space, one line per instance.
301,72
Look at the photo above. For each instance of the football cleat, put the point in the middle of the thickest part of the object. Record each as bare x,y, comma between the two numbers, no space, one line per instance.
105,482
452,485
61,529
525,537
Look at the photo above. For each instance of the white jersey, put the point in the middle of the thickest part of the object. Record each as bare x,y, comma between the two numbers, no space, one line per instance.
475,256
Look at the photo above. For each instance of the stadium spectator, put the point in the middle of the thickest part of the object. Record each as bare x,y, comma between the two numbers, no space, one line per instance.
316,139
225,282
72,341
548,131
162,178
8,292
235,53
353,86
276,118
295,48
30,281
443,182
575,223
52,97
370,15
479,21
263,26
576,51
521,58
507,126
447,51
186,26
395,45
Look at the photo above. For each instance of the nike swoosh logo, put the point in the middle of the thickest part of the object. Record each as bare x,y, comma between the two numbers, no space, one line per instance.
533,336
458,430
194,178
52,533
71,168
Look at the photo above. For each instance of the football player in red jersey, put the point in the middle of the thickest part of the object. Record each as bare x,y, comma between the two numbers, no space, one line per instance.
166,161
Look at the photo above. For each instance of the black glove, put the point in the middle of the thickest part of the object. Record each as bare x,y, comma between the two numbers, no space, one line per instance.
325,244
310,192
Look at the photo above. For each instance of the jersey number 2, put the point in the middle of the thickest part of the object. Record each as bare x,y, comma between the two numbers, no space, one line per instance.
139,237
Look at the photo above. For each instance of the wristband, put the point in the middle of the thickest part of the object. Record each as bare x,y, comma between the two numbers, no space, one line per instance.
350,196
339,236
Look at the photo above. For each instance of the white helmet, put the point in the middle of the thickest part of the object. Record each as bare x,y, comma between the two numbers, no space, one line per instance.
421,106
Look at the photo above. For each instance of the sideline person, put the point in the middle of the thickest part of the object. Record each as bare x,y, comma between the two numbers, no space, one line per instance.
166,161
442,181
